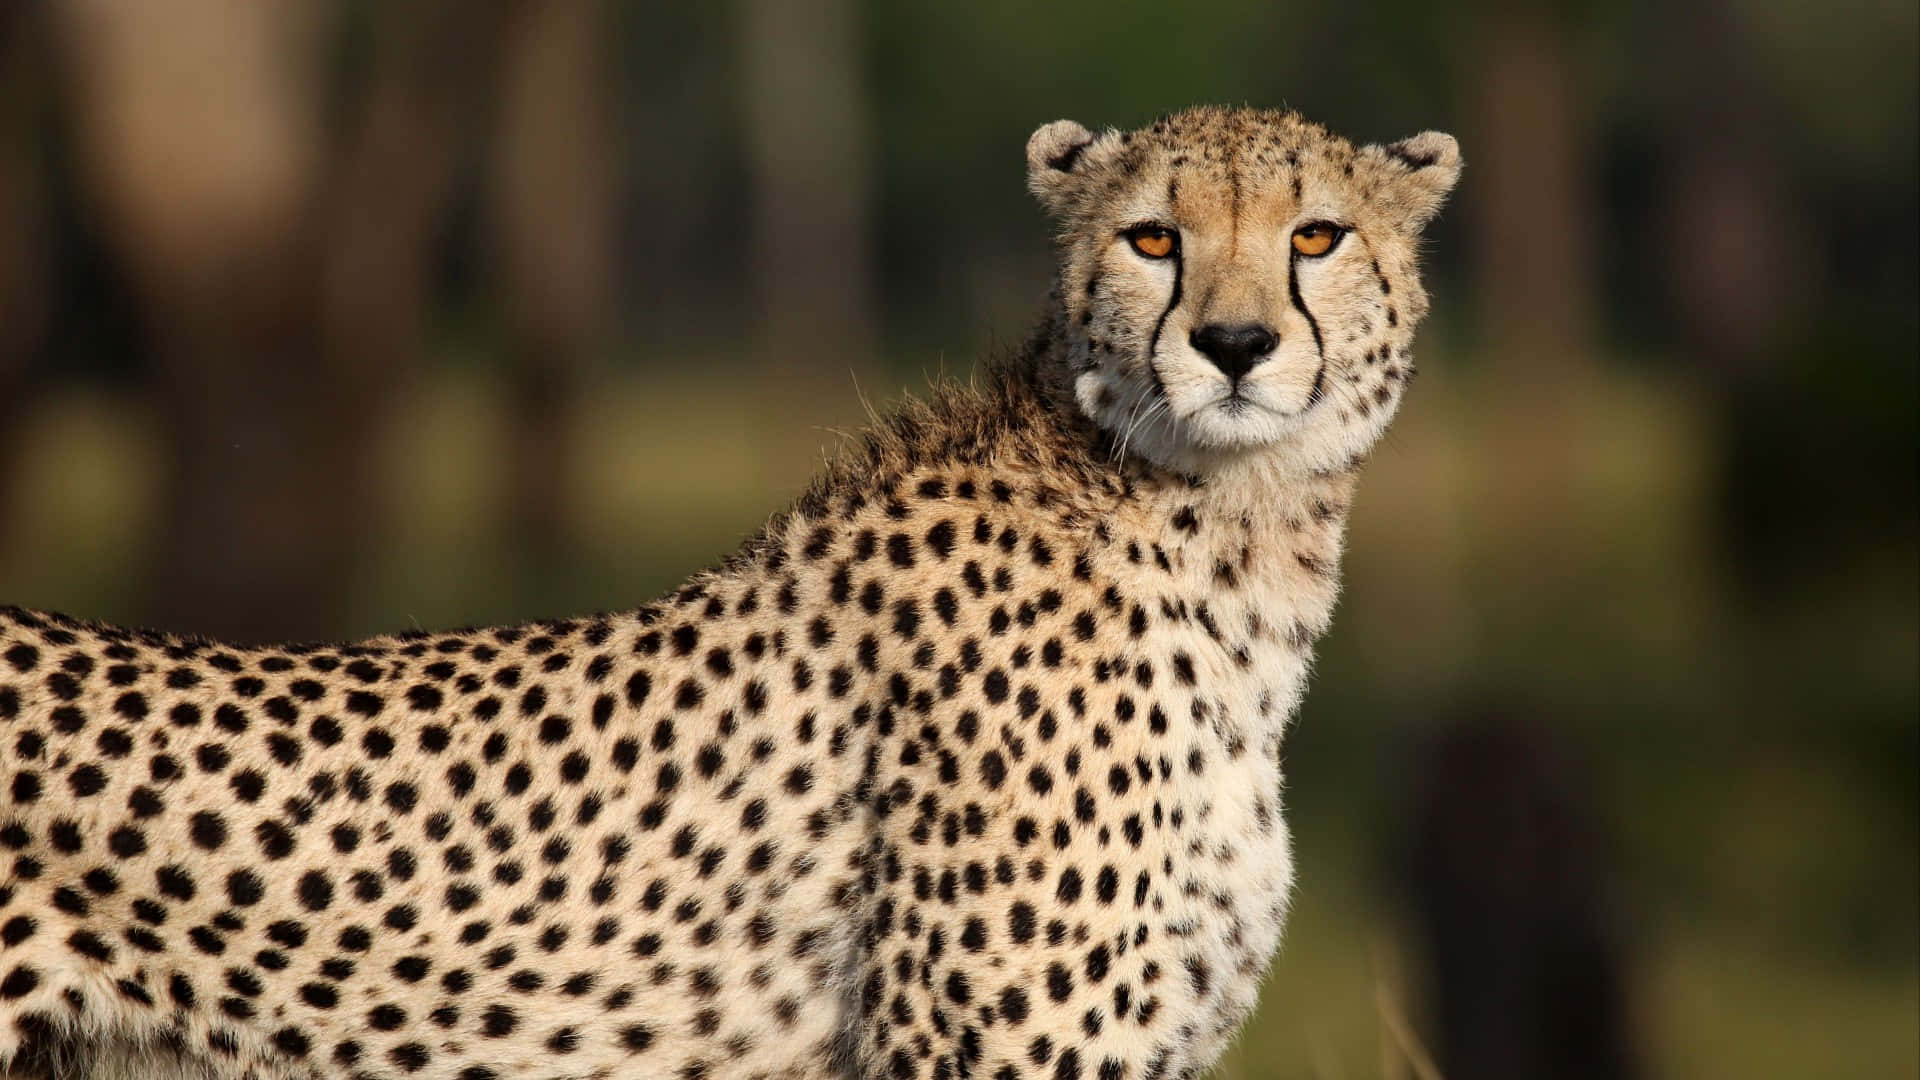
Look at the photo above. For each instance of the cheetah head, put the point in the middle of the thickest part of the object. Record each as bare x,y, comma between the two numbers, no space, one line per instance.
1239,284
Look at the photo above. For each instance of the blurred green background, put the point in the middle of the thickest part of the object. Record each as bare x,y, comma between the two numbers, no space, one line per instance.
322,318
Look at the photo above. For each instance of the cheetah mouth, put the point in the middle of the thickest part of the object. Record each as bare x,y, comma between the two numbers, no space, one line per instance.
1244,419
1237,404
1315,395
1242,400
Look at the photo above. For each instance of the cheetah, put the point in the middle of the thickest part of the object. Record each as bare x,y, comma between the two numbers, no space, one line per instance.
967,765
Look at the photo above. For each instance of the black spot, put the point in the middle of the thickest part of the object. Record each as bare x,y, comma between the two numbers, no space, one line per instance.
402,797
1069,890
1021,920
174,881
26,787
993,769
292,1041
906,618
995,686
315,891
284,748
115,742
248,785
88,944
19,982
87,780
498,1021
275,841
1199,976
145,802
377,743
1059,981
940,539
900,550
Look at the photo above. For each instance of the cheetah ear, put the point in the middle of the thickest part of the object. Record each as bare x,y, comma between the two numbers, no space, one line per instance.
1415,175
1056,159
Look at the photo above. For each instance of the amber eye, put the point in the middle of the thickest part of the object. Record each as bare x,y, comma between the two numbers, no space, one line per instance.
1317,238
1153,241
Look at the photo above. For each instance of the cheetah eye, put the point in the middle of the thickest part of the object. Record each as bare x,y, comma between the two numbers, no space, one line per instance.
1153,241
1316,238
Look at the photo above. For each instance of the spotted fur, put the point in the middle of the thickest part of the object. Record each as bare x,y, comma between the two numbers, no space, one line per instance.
967,766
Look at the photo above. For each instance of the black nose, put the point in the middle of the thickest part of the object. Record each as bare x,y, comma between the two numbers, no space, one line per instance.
1234,349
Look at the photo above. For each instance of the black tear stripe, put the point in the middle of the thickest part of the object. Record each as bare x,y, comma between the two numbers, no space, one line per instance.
1319,348
1153,343
1319,388
1179,274
1299,305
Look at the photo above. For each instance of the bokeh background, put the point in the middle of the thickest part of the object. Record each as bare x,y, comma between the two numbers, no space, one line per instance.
321,318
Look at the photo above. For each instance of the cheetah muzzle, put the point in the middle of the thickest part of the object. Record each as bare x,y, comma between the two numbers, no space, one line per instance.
967,766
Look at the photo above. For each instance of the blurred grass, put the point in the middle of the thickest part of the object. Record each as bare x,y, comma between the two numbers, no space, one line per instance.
84,497
1719,1005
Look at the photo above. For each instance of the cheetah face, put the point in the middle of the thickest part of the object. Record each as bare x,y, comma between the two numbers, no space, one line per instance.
1239,284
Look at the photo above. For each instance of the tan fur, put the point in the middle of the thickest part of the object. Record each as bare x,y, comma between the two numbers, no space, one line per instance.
967,766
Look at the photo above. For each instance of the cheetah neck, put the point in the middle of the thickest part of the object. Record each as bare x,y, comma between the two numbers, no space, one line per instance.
1259,526
1250,553
1256,558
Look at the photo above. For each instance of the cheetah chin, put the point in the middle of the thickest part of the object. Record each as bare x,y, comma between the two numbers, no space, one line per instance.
967,765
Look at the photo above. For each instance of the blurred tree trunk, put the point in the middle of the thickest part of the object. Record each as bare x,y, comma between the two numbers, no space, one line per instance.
392,180
1730,278
1535,278
283,286
1723,245
1530,202
1503,876
407,134
1510,896
23,255
197,141
552,211
810,146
